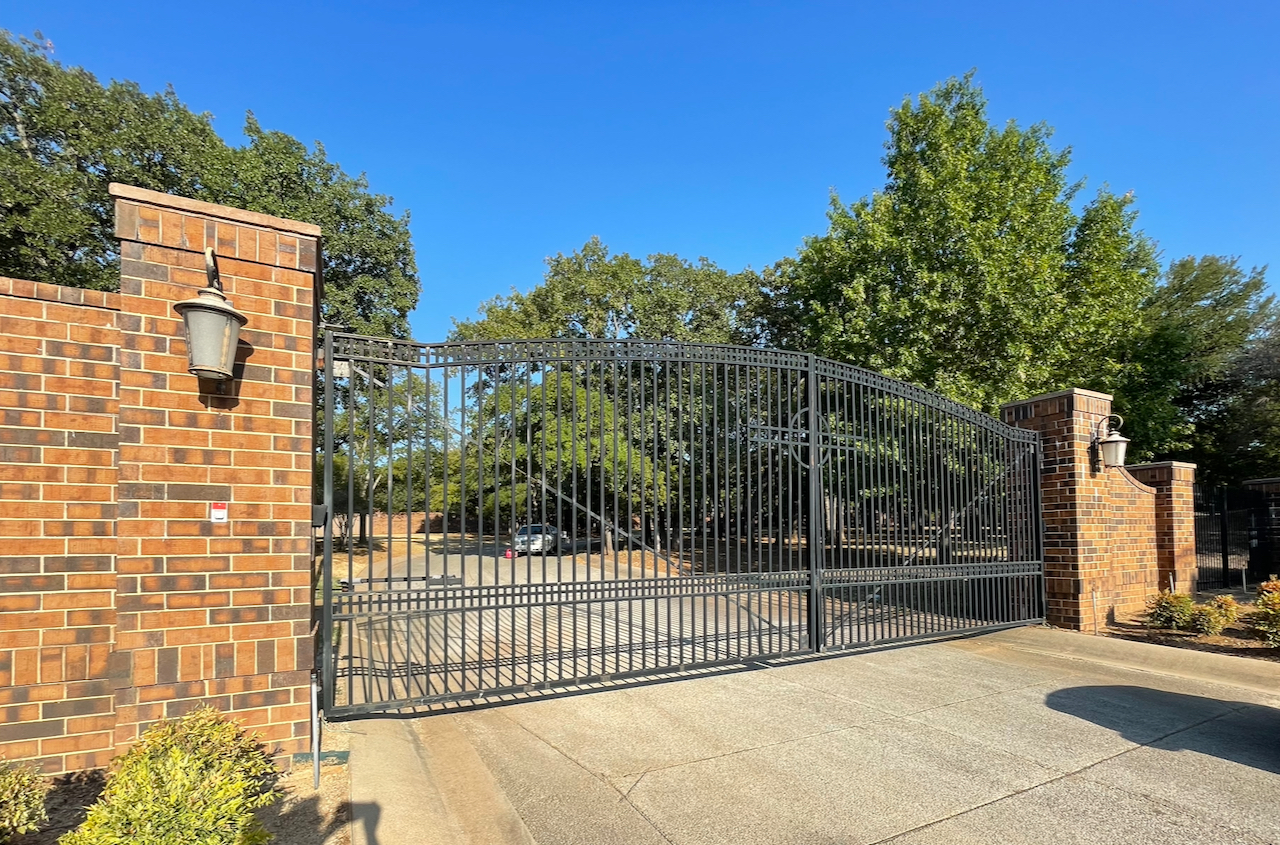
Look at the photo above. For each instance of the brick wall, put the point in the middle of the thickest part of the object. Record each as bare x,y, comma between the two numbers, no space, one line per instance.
399,525
1100,524
58,401
1174,483
124,603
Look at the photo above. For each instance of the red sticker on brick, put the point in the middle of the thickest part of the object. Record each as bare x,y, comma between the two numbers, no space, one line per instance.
218,511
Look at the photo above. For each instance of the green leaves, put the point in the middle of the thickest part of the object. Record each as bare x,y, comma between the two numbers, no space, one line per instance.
197,779
969,273
22,792
591,294
1199,380
64,136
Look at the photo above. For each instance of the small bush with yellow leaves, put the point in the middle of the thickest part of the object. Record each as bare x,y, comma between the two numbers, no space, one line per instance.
1169,610
194,780
1213,617
22,791
1264,621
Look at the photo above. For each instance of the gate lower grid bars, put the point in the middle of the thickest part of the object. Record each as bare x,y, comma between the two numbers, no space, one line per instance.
697,504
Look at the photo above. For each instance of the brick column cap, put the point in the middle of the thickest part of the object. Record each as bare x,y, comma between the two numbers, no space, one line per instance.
208,209
1071,391
1159,464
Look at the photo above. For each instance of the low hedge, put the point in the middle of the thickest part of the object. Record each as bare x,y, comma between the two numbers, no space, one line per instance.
194,780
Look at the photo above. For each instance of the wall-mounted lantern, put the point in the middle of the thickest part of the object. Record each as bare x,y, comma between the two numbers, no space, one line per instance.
212,327
1109,450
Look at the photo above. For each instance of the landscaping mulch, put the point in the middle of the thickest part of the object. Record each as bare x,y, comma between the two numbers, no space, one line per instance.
1235,640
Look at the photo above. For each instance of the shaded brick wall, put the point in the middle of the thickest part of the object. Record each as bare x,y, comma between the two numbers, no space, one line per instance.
1174,483
58,402
1100,524
122,602
1130,571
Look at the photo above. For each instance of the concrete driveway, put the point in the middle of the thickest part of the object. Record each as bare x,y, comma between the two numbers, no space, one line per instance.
1026,736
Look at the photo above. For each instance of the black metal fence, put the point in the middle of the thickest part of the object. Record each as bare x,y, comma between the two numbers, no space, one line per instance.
1232,541
670,506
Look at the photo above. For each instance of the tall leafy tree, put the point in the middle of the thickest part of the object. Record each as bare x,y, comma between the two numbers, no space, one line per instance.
64,136
1197,367
592,294
969,273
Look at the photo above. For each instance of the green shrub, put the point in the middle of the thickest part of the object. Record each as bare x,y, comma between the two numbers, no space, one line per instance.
1265,618
1169,610
1212,618
22,791
196,780
1228,607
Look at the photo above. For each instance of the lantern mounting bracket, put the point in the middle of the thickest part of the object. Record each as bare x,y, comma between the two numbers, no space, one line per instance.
211,269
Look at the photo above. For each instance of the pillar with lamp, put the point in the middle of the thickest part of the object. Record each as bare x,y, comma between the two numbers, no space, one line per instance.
212,327
1109,451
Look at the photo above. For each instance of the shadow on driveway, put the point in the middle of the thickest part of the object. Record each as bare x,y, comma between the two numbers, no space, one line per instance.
1237,731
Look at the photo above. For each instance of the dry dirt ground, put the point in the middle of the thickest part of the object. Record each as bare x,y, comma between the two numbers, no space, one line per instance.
306,816
1236,639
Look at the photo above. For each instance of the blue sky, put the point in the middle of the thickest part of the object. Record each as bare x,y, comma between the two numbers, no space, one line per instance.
516,131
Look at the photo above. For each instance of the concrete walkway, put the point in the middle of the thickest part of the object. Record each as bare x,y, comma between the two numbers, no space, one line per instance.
1026,736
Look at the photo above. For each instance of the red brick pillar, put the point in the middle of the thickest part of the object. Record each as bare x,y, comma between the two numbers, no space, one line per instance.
1100,546
209,612
1174,484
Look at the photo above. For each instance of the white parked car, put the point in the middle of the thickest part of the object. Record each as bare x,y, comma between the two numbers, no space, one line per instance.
536,539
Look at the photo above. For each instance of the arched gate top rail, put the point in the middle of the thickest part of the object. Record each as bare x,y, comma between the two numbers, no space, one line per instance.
477,353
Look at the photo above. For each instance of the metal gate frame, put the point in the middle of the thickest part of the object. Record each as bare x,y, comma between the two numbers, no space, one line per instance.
879,512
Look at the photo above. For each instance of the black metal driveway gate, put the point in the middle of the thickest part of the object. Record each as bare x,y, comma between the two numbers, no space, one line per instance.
1232,546
685,505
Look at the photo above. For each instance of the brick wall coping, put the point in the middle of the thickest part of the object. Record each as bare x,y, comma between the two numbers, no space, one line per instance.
1135,483
23,289
209,209
1173,464
1073,391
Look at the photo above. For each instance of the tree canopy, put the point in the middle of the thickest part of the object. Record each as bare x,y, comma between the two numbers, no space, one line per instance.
969,273
64,136
1196,375
592,294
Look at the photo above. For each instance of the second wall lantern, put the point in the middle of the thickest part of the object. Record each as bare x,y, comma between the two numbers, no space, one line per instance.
1110,449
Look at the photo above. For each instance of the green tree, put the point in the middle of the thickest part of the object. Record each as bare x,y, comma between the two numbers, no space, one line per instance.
592,294
381,414
64,136
370,275
969,273
1240,438
1196,354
